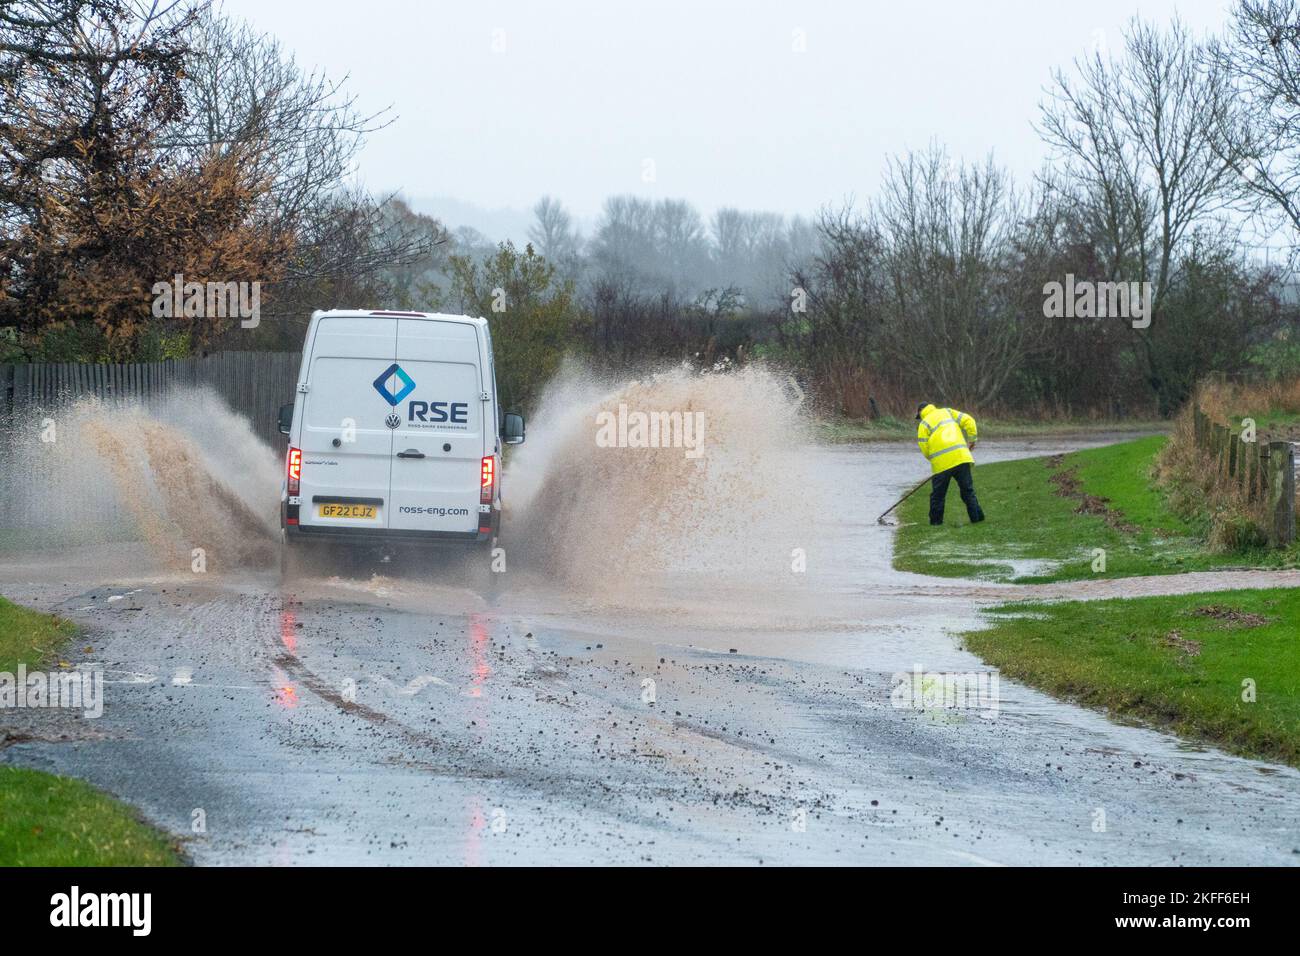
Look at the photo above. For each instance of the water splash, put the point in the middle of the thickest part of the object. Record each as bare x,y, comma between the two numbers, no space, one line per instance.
617,517
179,473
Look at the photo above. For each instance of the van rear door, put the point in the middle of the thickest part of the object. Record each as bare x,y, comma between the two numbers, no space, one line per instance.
347,447
438,446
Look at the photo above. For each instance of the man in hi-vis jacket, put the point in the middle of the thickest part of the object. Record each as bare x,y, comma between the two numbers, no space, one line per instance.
942,434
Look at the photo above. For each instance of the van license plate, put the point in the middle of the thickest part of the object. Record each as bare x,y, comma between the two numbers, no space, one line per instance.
329,510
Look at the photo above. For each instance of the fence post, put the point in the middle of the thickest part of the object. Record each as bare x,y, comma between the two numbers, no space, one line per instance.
1281,493
1250,471
1234,443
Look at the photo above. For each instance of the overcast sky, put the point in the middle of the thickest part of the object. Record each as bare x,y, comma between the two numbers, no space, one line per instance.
498,103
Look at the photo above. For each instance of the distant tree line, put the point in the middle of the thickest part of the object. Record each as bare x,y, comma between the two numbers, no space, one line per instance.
136,143
1168,156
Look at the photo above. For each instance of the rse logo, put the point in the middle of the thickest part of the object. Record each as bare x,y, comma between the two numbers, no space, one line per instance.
457,412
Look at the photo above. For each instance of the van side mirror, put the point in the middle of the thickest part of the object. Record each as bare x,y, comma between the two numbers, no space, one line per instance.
286,418
512,432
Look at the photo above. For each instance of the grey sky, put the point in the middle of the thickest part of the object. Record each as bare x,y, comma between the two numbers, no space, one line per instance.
713,92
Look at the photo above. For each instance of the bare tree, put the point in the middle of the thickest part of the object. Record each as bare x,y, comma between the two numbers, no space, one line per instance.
949,232
751,251
244,92
91,211
301,132
82,82
680,244
553,234
623,247
831,324
1260,134
648,247
353,249
1140,162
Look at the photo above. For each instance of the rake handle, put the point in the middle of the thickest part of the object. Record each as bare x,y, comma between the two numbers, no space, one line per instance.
923,482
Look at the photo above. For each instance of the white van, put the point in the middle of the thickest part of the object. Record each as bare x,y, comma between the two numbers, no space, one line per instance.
395,433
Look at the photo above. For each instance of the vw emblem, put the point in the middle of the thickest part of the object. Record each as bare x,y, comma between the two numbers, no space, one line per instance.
392,421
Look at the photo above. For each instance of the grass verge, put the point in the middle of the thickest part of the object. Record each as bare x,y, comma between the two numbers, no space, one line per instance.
29,637
55,821
1186,664
1048,519
46,820
887,428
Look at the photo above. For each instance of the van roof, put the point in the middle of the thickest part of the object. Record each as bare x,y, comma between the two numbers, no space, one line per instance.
366,313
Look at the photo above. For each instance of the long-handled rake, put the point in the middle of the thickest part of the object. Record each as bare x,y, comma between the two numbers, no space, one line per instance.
881,519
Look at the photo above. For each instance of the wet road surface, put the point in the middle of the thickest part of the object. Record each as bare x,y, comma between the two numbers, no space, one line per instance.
398,718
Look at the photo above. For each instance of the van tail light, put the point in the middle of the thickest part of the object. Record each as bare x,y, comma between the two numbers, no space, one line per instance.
488,485
295,470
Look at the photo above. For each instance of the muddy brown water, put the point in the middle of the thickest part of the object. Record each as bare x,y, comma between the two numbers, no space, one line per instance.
689,708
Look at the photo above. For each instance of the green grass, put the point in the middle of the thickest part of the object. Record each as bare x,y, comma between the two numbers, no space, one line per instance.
1267,420
849,430
29,637
1033,533
55,821
1132,657
1122,474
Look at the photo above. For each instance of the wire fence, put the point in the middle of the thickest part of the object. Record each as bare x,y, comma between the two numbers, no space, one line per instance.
73,471
253,384
1264,471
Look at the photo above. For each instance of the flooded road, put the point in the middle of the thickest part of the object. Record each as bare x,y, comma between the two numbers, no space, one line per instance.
395,715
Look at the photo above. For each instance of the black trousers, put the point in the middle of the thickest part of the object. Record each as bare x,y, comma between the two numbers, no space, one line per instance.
939,491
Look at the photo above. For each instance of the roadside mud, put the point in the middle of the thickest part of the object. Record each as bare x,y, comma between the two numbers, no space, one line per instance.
1068,485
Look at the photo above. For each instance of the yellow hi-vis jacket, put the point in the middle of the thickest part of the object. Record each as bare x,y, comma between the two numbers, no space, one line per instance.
942,434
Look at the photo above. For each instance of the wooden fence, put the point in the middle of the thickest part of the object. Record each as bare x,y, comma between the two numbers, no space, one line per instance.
254,384
1265,471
